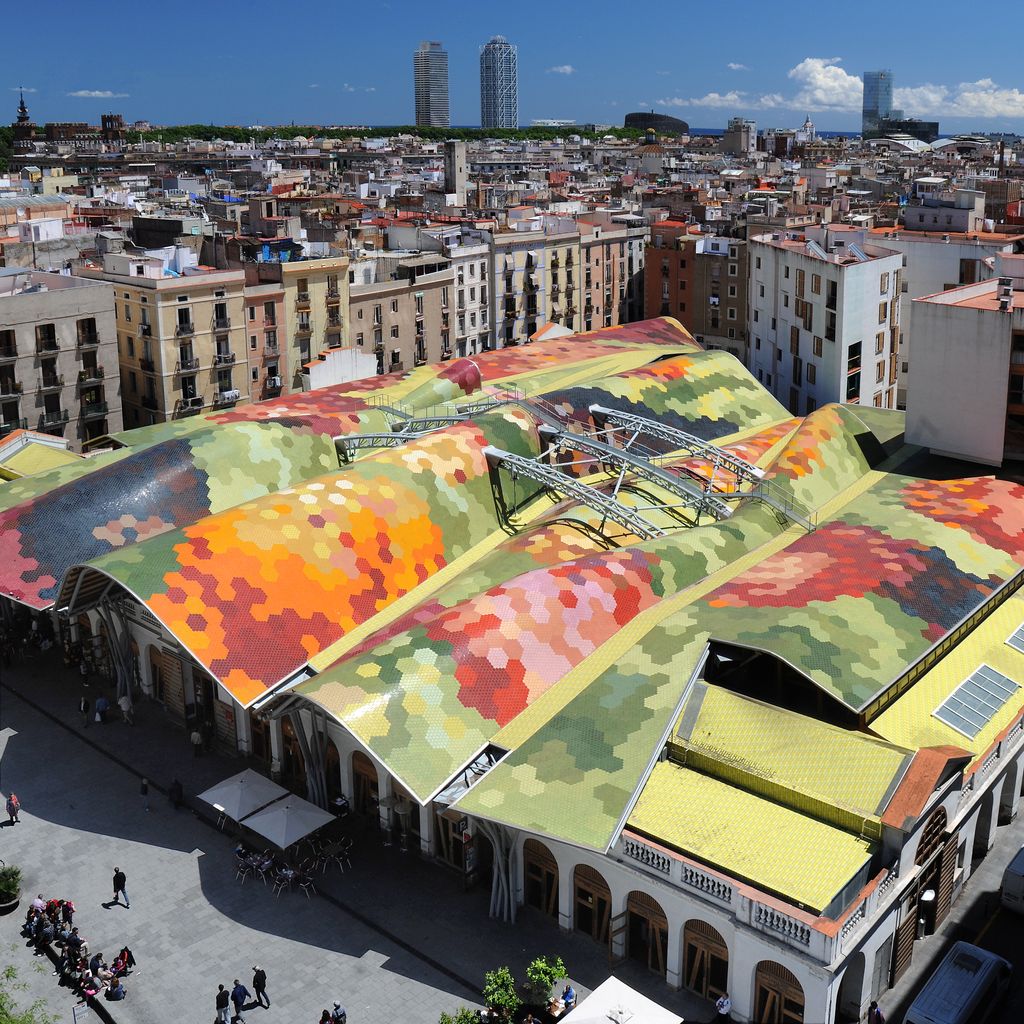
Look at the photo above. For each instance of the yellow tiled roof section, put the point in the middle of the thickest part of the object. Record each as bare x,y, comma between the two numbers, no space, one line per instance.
773,847
795,760
586,371
37,458
910,720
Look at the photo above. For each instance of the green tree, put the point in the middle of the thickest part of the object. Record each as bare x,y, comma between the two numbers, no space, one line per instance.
543,974
462,1016
10,1012
500,992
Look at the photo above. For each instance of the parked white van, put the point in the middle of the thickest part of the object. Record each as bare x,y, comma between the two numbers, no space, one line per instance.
965,988
1012,889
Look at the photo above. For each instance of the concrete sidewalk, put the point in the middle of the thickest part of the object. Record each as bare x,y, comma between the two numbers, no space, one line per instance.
396,938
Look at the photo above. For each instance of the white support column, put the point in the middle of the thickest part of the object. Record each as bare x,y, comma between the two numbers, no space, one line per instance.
243,729
426,829
674,956
276,746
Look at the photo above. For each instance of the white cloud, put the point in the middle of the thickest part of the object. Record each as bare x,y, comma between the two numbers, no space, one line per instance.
314,85
370,88
983,98
824,85
561,69
663,73
733,66
23,88
348,88
97,94
711,99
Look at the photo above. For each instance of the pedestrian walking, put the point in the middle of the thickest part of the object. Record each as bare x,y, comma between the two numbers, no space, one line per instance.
83,670
223,998
125,704
144,793
239,994
338,1014
83,707
13,808
259,985
119,883
875,1015
196,739
176,794
723,1008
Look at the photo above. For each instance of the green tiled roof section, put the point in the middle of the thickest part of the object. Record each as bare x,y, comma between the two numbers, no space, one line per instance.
842,777
773,847
14,492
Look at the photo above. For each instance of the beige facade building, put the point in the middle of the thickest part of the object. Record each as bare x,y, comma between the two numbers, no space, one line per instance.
613,268
181,339
58,356
564,261
405,316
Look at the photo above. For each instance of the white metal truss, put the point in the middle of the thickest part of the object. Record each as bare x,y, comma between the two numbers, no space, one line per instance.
553,478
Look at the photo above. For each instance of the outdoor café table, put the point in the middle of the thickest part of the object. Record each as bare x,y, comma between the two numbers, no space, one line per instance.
556,1008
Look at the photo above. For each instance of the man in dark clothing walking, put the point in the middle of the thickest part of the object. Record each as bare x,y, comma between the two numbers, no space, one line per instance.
239,994
259,985
119,882
84,707
223,998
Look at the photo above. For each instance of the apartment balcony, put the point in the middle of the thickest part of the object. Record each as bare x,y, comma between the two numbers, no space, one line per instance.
224,359
333,292
270,348
302,300
50,382
88,339
272,385
222,323
11,425
54,418
189,405
150,402
334,341
94,410
378,346
147,366
10,388
186,365
227,397
7,353
145,330
334,321
304,330
555,262
44,346
91,375
185,330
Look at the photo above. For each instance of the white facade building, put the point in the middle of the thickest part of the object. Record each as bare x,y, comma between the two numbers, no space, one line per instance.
824,319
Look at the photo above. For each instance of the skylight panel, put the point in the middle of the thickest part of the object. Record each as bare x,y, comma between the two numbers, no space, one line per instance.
974,703
1016,640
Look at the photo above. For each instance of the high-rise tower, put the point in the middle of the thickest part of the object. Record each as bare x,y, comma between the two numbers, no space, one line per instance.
430,75
499,107
877,100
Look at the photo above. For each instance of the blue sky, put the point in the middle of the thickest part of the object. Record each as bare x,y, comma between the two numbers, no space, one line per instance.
339,62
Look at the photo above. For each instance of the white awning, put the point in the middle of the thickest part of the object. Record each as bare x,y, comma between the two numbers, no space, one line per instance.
287,821
242,794
614,1002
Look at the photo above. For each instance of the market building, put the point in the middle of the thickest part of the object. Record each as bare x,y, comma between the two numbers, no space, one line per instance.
594,621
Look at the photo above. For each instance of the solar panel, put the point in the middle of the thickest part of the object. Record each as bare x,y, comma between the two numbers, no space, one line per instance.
976,700
1016,640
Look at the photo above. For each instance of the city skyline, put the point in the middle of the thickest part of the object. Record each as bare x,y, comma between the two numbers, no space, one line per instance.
568,68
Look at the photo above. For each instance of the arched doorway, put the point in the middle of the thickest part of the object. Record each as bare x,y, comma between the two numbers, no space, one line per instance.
592,903
540,878
293,765
778,996
705,960
364,778
851,988
646,931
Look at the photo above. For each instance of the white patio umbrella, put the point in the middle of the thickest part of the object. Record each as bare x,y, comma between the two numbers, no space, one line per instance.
614,1002
242,794
287,821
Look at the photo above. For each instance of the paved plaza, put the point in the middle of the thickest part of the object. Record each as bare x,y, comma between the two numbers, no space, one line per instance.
395,939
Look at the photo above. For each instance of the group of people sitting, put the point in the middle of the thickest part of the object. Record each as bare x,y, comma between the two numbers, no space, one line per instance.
50,924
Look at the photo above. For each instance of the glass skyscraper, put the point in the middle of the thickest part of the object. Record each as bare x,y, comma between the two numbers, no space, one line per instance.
430,76
877,99
499,106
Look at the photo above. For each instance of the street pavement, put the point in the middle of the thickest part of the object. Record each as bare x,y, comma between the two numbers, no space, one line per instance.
394,939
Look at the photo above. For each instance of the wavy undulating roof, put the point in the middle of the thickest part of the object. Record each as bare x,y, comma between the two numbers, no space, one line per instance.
144,494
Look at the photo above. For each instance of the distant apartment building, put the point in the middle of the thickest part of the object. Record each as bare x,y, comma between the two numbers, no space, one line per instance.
877,100
519,273
181,338
401,310
944,212
564,292
499,105
966,393
58,356
613,273
310,300
824,319
740,138
934,262
701,280
430,81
